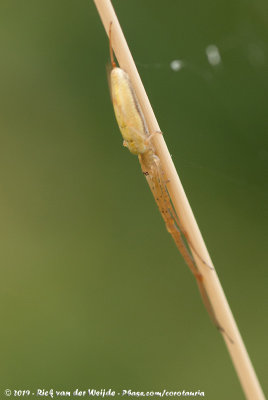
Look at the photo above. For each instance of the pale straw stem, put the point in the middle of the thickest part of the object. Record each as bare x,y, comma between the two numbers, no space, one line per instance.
237,350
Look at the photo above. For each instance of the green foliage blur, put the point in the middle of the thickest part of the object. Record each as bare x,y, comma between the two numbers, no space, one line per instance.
93,291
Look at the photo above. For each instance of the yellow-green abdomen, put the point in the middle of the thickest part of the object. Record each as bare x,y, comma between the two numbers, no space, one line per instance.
128,113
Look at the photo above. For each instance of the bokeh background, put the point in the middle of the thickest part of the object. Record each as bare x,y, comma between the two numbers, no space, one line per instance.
93,291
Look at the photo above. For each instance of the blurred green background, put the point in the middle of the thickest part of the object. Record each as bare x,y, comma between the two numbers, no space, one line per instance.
93,291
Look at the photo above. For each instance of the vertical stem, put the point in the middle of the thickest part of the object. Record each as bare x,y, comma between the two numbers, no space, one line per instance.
236,347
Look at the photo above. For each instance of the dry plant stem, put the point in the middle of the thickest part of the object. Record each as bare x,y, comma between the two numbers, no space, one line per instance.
236,347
